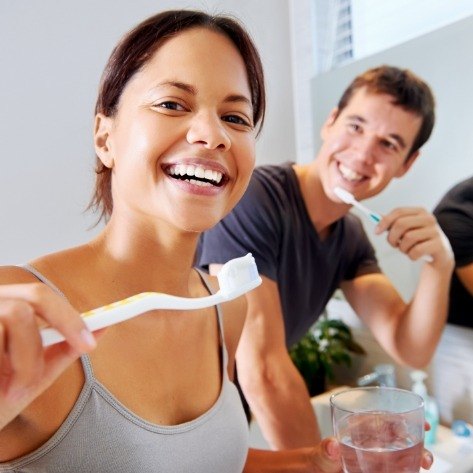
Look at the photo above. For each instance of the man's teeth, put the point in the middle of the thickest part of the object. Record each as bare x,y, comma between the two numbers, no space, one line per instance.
190,170
349,174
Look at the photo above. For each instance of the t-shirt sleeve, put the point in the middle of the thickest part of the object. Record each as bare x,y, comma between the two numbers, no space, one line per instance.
456,221
360,254
251,227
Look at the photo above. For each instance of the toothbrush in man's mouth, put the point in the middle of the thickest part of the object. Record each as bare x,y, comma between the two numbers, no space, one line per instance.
349,198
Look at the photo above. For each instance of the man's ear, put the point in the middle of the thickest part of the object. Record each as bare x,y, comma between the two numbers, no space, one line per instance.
102,139
406,165
328,122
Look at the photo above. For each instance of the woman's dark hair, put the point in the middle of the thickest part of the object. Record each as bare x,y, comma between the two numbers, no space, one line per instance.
138,46
407,90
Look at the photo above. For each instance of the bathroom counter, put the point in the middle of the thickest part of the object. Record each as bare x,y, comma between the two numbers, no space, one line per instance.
451,454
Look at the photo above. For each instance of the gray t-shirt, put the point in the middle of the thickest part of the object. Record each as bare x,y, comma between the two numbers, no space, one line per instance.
271,221
101,435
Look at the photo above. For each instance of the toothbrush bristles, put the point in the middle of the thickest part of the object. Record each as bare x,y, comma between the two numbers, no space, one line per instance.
344,195
238,272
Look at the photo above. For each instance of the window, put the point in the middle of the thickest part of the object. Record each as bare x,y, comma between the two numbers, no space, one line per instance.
351,29
333,33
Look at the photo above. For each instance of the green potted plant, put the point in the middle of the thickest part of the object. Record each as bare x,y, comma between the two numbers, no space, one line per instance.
329,342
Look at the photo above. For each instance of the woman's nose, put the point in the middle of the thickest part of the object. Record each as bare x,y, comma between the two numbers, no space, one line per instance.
209,131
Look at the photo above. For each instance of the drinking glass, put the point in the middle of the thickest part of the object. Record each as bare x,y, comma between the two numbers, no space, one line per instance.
380,430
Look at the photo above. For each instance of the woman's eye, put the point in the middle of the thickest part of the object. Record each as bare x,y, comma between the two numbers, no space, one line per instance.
236,119
170,105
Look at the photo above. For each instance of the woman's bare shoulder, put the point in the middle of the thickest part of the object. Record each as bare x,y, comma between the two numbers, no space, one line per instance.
15,275
47,265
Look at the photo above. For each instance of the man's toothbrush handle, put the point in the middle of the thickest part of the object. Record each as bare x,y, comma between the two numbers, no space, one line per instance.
375,217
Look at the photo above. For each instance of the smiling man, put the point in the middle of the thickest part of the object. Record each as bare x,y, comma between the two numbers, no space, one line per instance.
307,244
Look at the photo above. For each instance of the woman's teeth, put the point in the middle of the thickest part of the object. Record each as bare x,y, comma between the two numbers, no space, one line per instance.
188,171
349,174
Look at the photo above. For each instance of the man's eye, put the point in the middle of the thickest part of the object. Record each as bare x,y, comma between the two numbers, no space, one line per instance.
170,105
236,119
354,127
389,145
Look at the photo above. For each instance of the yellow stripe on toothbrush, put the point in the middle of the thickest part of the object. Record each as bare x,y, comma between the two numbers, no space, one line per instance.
116,304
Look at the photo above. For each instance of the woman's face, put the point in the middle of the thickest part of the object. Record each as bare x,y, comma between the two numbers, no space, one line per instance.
182,143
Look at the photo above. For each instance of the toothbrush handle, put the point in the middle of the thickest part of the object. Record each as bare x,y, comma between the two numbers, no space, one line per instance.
376,218
103,316
131,307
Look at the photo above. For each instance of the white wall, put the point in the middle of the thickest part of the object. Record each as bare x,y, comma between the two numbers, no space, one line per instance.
380,25
53,52
443,59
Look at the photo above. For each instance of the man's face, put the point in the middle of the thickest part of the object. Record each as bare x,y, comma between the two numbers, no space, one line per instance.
366,145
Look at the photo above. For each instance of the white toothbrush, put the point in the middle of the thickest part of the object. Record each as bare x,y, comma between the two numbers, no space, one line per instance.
349,198
236,277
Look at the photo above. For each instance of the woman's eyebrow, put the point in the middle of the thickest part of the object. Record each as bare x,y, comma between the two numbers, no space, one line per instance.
179,85
190,89
238,98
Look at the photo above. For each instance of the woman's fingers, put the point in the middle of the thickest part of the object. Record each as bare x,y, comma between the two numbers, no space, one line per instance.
325,457
427,460
21,344
27,369
55,310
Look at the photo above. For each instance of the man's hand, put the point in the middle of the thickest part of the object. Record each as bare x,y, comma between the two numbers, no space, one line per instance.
416,233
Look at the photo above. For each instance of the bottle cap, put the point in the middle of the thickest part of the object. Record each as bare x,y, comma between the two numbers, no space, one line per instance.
419,387
462,429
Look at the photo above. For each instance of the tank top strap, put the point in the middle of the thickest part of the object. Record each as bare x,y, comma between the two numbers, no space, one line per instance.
203,277
85,360
41,277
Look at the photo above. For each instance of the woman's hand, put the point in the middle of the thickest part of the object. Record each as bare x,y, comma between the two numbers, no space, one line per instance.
26,368
325,457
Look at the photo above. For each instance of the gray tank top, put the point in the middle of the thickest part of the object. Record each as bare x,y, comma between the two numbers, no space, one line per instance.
101,435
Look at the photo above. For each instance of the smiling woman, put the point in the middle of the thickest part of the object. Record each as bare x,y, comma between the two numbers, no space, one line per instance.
159,115
175,142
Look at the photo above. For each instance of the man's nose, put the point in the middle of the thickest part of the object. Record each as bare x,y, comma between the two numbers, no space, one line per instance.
365,147
208,130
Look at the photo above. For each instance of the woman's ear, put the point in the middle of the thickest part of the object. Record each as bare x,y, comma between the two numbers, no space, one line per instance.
102,139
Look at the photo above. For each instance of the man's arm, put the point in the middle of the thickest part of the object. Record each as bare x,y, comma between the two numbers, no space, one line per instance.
408,332
272,385
275,390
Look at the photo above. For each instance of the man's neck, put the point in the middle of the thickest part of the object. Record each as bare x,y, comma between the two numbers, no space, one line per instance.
322,211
